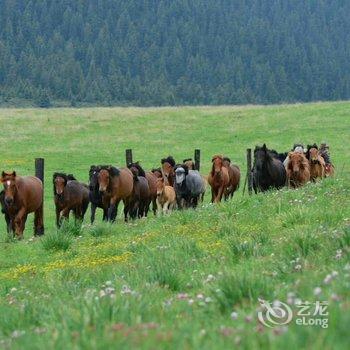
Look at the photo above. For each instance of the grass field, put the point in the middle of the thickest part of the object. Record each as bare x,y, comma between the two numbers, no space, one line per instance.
193,279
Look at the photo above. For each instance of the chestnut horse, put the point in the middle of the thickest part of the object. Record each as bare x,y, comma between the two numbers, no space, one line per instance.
166,197
117,185
168,165
218,179
152,181
298,169
316,162
234,174
23,195
69,195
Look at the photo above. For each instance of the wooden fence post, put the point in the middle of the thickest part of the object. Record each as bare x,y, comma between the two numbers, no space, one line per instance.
249,171
128,156
197,159
39,169
39,173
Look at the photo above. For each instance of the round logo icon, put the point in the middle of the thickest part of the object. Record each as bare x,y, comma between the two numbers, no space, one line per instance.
275,314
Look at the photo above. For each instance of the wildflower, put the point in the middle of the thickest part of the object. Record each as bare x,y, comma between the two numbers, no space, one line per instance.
248,318
40,330
334,273
182,296
209,279
339,254
125,290
202,332
328,279
17,334
234,315
317,291
297,267
190,302
335,297
200,296
208,300
108,283
12,290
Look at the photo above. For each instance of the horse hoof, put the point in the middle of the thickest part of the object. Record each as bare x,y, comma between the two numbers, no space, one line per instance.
39,231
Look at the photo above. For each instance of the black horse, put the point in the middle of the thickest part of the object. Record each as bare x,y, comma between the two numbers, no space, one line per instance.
4,210
268,170
94,194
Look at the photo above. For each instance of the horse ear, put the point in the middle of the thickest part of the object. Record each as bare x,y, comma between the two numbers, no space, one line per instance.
14,174
264,147
113,171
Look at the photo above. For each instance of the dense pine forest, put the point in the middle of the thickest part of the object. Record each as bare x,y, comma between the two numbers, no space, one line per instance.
169,52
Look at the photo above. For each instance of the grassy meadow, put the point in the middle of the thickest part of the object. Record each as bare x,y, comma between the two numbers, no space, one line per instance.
192,279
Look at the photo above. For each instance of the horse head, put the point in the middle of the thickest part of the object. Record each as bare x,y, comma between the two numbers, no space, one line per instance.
180,173
189,163
313,155
217,161
10,187
168,165
59,183
136,169
105,176
160,186
296,162
157,172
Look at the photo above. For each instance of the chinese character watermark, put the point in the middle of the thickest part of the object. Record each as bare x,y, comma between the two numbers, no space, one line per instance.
308,314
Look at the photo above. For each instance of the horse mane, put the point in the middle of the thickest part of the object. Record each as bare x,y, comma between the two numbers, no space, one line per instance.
184,166
113,171
187,160
303,159
309,148
138,167
297,145
227,159
169,160
156,170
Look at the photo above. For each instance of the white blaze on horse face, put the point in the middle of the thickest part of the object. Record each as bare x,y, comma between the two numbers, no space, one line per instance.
8,182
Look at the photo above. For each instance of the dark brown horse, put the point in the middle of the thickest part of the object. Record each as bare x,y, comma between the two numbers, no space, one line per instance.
218,179
168,165
152,181
234,174
69,195
23,195
4,210
116,184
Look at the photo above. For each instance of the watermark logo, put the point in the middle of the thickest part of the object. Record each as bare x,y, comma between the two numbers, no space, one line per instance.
274,314
279,313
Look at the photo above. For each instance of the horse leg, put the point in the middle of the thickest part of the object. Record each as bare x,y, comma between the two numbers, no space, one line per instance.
39,222
19,223
58,223
64,215
165,207
154,206
93,213
220,194
159,208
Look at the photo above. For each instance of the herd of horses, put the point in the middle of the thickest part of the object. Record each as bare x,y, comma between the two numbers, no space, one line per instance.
172,185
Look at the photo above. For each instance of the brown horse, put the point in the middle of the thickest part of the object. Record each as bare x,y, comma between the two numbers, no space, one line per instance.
69,195
298,169
152,181
141,198
166,197
23,195
218,179
117,184
234,174
168,165
317,164
189,163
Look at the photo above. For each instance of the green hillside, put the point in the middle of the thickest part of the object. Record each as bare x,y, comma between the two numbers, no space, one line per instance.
192,279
